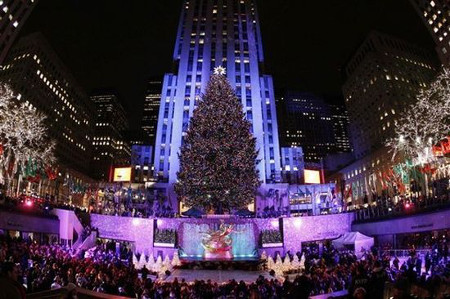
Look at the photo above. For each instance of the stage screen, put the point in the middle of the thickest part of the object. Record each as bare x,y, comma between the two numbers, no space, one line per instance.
243,245
312,176
122,174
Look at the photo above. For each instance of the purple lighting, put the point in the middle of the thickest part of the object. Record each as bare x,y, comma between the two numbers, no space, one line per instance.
274,223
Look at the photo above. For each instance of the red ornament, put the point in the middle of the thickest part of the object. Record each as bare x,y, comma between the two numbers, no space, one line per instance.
51,174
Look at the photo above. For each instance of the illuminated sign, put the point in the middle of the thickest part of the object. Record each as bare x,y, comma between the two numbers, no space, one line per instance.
122,174
312,176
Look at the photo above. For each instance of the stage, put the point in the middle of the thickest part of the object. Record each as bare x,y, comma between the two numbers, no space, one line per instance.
219,276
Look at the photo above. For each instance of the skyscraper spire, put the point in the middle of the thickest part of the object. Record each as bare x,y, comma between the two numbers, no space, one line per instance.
217,35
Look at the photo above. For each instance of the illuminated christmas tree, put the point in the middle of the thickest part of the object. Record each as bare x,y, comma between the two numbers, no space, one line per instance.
424,123
24,142
218,156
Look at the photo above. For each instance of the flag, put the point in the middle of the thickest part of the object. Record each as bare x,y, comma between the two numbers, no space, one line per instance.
307,191
300,192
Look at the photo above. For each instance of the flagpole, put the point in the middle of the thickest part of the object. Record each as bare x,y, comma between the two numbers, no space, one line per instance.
18,184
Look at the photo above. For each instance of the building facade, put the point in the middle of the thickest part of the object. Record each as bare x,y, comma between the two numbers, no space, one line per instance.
13,14
141,162
339,117
110,146
212,34
436,16
292,164
150,110
34,70
306,120
383,78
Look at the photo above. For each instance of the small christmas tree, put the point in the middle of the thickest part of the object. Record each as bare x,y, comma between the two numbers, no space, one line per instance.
142,261
278,266
158,264
287,263
264,255
302,262
176,260
218,156
150,262
167,265
295,262
270,263
135,261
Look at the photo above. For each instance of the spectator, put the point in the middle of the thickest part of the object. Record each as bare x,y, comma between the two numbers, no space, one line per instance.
10,288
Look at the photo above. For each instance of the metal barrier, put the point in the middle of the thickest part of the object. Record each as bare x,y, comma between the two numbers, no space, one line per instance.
405,252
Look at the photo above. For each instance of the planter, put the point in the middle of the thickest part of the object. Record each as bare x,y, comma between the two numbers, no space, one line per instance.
267,245
170,245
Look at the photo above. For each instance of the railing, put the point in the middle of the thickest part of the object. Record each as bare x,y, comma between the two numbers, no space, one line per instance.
405,252
67,292
373,213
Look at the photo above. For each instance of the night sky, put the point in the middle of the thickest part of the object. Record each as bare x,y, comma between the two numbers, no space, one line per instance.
121,44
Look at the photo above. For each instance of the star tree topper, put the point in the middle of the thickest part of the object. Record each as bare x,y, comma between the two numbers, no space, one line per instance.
220,70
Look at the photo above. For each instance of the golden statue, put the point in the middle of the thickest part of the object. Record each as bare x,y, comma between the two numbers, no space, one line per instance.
218,243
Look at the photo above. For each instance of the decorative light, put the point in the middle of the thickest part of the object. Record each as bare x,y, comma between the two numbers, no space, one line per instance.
219,70
298,222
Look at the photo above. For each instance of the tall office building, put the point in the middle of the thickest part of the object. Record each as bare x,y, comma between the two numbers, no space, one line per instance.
151,110
34,70
339,117
292,164
13,14
436,16
307,121
110,146
210,34
383,78
141,163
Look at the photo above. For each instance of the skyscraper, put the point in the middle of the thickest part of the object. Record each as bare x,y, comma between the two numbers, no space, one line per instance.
292,164
339,117
150,110
210,34
13,14
436,16
110,147
383,78
307,121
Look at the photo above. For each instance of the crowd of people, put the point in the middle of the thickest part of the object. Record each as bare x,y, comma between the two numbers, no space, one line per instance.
331,271
28,267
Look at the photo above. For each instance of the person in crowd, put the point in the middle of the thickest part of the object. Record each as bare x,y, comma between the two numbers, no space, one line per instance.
10,287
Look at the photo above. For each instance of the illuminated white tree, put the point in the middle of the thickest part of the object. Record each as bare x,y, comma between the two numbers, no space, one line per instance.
141,262
176,260
425,122
287,263
150,262
295,262
23,136
270,262
135,261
